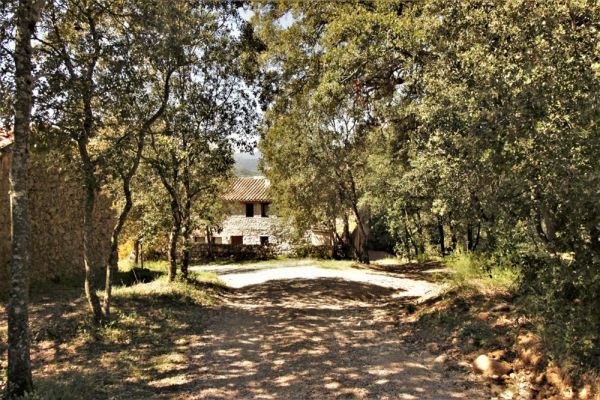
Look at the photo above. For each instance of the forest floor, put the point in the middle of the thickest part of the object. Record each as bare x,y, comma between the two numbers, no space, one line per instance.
282,330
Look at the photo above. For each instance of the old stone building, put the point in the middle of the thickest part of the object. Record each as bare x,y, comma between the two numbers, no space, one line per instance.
250,220
56,210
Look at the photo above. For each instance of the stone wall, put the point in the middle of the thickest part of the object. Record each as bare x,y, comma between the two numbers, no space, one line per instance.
56,208
202,252
251,228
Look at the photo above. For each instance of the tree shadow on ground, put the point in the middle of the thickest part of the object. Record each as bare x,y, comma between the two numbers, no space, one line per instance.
429,271
293,339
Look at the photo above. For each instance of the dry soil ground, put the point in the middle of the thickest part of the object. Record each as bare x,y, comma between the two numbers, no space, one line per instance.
312,333
280,333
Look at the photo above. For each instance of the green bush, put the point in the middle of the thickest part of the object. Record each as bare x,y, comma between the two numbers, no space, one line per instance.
562,296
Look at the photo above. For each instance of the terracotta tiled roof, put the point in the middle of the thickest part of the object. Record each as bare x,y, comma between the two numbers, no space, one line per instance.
248,190
6,138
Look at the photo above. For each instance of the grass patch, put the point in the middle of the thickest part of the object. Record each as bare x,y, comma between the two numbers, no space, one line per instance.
197,289
468,272
151,323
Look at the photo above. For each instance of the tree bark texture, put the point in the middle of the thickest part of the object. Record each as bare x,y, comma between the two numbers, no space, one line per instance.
19,378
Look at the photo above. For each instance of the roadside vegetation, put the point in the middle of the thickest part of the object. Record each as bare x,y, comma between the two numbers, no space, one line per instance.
488,320
154,320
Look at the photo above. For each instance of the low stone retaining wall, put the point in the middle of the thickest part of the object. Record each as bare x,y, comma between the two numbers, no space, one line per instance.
205,252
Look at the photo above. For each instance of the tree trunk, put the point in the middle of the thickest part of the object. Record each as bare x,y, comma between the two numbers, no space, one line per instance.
19,379
361,241
421,238
477,236
88,248
407,243
346,237
185,261
469,237
595,238
112,266
442,236
173,239
209,241
136,252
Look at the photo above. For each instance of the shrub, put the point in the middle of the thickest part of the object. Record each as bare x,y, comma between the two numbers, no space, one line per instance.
562,296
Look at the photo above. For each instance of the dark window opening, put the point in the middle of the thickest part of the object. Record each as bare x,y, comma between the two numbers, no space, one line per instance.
249,210
264,240
237,240
264,210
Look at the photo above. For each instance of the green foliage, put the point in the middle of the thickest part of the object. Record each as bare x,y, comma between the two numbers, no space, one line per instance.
478,137
562,294
481,273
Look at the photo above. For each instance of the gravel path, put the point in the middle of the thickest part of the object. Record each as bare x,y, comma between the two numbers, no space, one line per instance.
313,333
405,287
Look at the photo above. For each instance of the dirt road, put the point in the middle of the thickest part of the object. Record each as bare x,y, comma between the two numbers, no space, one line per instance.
319,335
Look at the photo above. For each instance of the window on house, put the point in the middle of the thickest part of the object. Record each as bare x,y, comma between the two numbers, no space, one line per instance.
264,240
216,240
264,210
237,240
199,239
249,209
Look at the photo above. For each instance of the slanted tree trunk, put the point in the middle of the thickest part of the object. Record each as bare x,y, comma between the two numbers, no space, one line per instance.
112,266
19,379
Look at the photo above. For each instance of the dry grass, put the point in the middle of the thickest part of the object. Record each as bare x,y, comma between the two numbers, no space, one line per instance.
151,322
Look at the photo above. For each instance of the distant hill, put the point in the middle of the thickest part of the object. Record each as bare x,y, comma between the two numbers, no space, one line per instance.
246,164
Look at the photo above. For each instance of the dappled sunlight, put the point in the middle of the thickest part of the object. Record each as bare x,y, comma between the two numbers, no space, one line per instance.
325,338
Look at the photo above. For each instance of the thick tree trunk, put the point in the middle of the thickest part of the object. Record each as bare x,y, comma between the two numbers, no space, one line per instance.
19,379
89,260
361,241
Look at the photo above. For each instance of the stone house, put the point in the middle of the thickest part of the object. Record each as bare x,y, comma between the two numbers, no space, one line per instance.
56,211
250,221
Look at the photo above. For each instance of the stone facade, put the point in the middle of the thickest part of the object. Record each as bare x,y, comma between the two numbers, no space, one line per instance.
56,209
251,229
